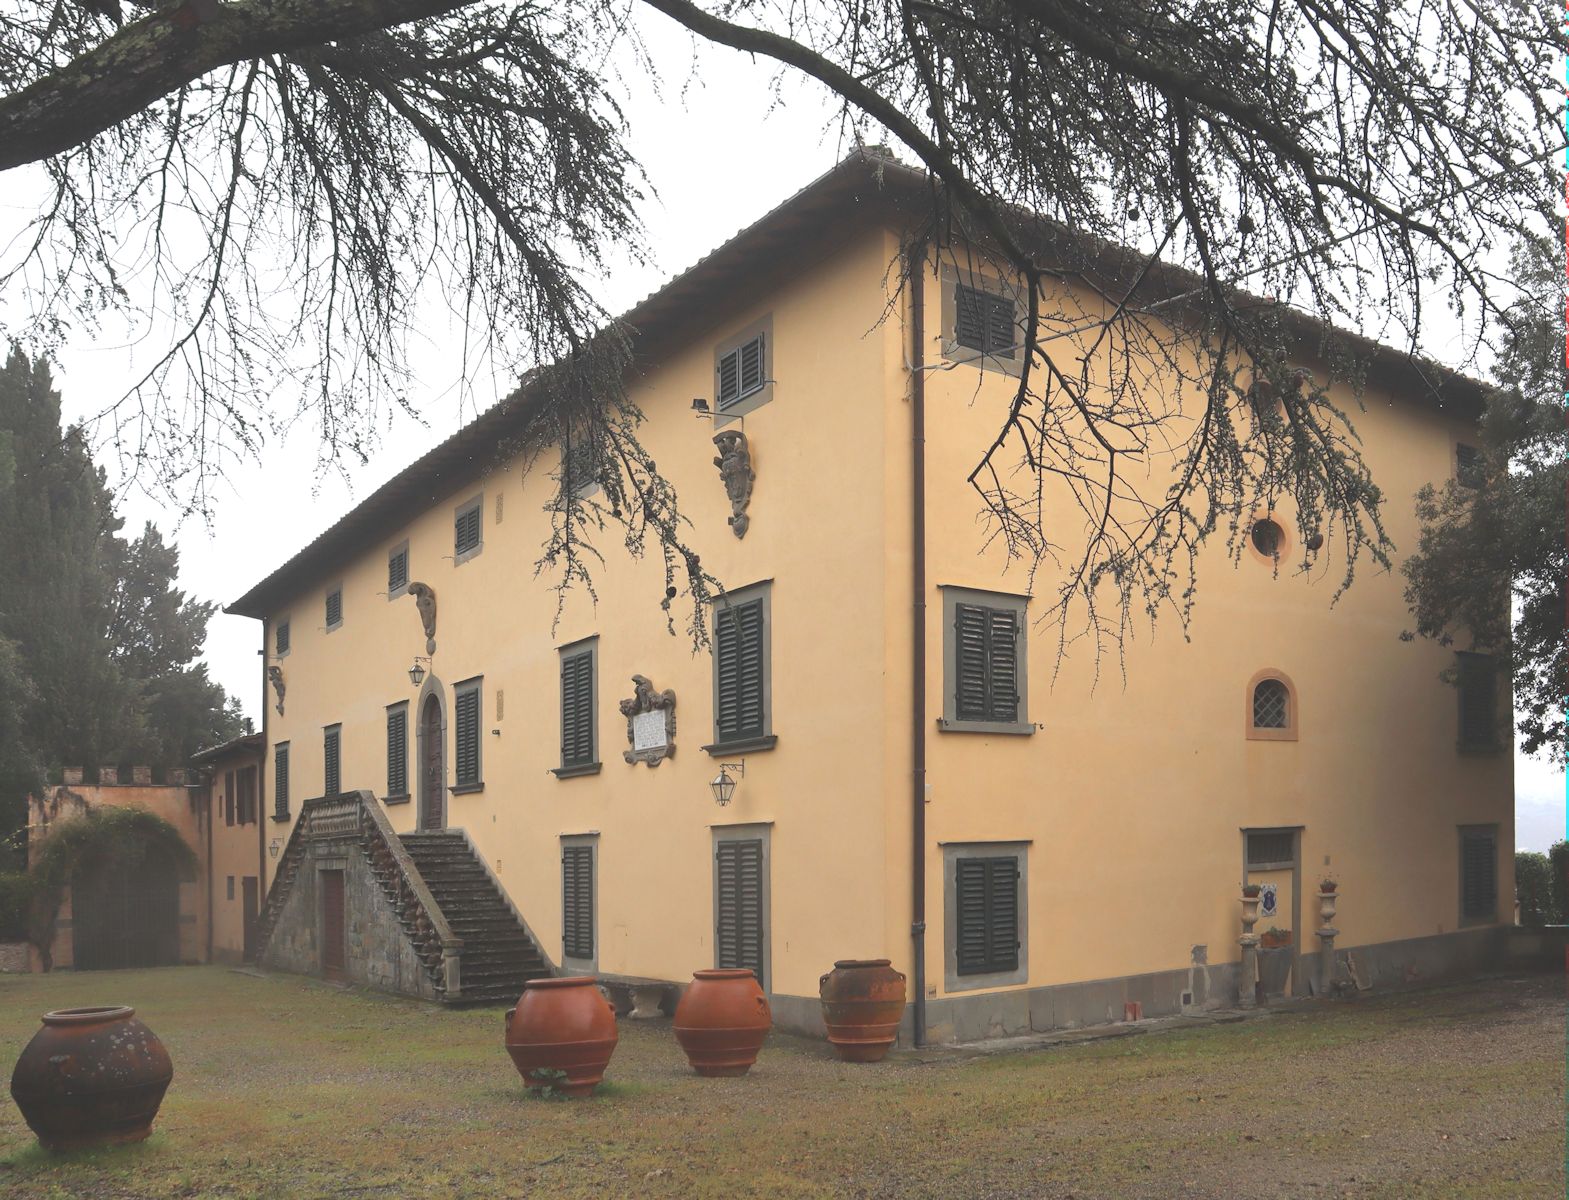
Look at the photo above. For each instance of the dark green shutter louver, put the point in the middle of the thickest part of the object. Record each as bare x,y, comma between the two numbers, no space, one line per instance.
334,608
738,919
282,638
280,781
1478,875
577,709
468,736
984,321
577,901
987,914
1468,466
397,570
330,780
729,378
742,372
466,530
739,704
986,663
397,752
1478,701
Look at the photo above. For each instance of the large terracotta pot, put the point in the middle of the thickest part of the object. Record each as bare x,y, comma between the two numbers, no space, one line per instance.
562,1025
91,1077
863,999
722,1020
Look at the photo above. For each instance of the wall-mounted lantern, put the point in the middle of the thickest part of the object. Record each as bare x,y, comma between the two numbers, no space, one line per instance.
417,672
722,785
274,846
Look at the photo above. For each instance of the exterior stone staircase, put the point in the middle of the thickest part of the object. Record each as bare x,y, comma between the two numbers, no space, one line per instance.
499,956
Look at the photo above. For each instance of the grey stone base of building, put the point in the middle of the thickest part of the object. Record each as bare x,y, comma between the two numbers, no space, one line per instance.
1202,986
377,952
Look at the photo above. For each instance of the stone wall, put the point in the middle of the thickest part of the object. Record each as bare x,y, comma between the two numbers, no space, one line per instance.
15,957
377,953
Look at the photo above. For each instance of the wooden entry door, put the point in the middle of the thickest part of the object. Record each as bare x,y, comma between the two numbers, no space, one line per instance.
251,898
126,911
432,768
333,960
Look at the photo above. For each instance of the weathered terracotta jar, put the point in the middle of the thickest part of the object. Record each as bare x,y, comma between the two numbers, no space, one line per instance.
722,1020
91,1077
863,999
562,1025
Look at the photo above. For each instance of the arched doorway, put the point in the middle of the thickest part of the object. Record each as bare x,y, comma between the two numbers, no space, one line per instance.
432,763
125,911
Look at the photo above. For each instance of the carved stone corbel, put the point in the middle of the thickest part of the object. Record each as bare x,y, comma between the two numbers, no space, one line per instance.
425,600
651,723
275,677
735,468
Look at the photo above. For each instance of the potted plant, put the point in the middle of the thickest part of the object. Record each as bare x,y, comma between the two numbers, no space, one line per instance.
1251,890
1275,938
1328,884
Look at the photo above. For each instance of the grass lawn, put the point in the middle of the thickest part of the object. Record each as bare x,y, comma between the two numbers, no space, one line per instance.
287,1087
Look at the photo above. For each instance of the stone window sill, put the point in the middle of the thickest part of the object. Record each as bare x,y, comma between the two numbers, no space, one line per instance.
281,816
466,789
574,772
401,798
1012,728
743,745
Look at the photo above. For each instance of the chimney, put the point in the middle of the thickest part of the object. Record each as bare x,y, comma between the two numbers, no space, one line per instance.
71,776
141,776
108,776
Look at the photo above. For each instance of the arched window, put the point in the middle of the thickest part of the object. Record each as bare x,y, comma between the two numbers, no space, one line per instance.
1271,708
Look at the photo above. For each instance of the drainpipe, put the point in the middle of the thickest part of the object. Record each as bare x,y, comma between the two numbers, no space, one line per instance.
915,272
261,802
207,813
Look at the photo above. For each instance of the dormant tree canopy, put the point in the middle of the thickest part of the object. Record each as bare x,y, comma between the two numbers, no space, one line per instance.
286,181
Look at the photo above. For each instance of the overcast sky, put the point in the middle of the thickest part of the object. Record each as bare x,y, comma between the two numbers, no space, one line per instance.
268,509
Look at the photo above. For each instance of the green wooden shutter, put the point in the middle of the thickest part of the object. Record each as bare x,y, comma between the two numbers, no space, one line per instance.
335,607
466,530
467,705
1001,332
969,318
330,781
752,366
987,914
1478,874
280,781
577,901
397,752
397,570
741,703
577,709
729,378
738,903
1002,652
971,655
281,638
1478,701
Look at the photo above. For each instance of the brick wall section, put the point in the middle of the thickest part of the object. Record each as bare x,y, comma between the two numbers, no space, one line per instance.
377,952
14,957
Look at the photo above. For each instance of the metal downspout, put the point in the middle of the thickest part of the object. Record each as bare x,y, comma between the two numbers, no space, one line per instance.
915,272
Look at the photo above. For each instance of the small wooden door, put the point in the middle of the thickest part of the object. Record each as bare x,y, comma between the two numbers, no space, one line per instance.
432,769
252,901
332,956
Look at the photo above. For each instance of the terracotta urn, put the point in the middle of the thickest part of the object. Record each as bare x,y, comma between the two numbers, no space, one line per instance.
863,999
1326,906
722,1020
562,1025
91,1077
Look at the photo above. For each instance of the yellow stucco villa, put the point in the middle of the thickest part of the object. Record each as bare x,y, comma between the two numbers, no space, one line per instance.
465,790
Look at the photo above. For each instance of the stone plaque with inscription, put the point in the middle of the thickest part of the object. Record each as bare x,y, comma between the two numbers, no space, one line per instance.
651,723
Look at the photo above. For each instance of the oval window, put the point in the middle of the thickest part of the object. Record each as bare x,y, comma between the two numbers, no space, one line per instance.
1268,537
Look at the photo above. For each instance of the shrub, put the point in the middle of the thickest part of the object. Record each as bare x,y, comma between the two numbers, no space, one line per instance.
1534,887
1558,856
16,891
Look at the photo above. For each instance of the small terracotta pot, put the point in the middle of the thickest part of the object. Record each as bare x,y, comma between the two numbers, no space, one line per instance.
562,1025
91,1077
863,999
722,1020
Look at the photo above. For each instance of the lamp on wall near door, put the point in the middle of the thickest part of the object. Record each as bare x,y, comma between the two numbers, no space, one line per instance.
722,785
417,672
274,846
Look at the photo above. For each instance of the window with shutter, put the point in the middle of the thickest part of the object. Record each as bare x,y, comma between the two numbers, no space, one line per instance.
246,808
280,781
740,905
986,663
334,608
1271,849
1478,685
741,668
1478,874
984,321
330,778
742,372
398,750
1468,465
280,639
466,708
987,933
577,901
398,570
577,708
466,529
228,797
